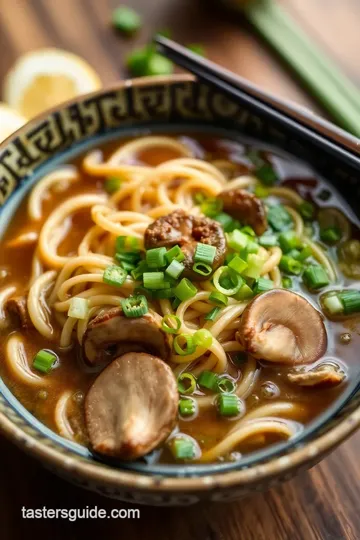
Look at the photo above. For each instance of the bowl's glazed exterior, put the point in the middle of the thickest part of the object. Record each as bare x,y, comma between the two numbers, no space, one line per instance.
175,102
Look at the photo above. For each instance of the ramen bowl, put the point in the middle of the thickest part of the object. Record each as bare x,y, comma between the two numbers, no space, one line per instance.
163,105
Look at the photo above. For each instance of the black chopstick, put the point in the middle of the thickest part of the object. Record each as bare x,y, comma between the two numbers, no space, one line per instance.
294,119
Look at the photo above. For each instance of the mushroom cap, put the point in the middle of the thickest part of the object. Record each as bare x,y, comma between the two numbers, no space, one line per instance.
283,327
111,334
185,230
246,207
131,407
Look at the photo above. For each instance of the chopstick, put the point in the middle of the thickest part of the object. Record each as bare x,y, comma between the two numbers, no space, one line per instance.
294,119
335,92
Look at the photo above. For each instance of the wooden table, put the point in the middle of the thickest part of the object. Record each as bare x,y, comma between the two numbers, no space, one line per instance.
321,504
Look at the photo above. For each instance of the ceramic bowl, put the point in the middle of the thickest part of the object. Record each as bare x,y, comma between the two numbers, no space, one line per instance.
132,108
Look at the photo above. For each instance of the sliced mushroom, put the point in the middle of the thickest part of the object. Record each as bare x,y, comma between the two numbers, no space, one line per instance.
247,208
186,231
282,327
131,407
16,307
325,376
111,334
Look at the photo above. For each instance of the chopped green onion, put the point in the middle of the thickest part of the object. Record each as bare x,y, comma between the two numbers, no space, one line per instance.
163,293
175,303
185,290
266,174
237,264
211,316
44,361
196,48
112,184
211,207
268,240
145,292
184,344
158,65
233,225
263,285
134,306
199,197
171,324
248,230
229,405
331,235
224,219
127,243
225,385
126,20
202,268
279,218
183,448
174,253
237,240
187,407
138,60
155,258
351,301
204,253
251,247
186,383
114,275
203,338
305,253
289,240
315,277
244,293
79,308
208,379
155,280
255,265
219,298
333,304
309,230
290,265
307,210
131,257
174,269
138,272
226,282
129,267
294,254
286,282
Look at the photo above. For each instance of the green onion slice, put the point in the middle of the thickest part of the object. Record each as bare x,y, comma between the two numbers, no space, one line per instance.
44,361
184,344
226,385
219,298
112,184
208,379
186,383
211,316
79,308
175,269
203,338
183,448
187,407
155,258
205,253
175,253
185,290
230,286
155,280
315,277
170,323
202,268
229,405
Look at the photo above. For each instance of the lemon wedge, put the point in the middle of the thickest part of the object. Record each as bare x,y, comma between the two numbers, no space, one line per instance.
10,121
44,78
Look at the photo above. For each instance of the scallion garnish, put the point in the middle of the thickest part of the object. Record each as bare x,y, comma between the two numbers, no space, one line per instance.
228,405
211,207
185,290
331,235
127,243
225,385
351,301
216,297
202,268
170,323
126,20
175,269
203,338
315,277
184,344
204,253
237,240
174,253
114,276
224,219
237,264
211,316
226,282
79,308
263,285
186,383
163,293
208,379
290,265
187,407
183,448
155,280
44,361
155,258
245,292
286,282
138,272
279,218
289,240
112,184
266,174
134,306
306,210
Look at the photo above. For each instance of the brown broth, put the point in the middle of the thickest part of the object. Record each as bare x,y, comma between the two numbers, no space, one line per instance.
208,428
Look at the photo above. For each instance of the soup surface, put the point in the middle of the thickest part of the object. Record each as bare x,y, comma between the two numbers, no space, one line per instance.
189,294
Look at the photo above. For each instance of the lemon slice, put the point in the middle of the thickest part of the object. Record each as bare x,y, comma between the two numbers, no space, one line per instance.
10,121
44,78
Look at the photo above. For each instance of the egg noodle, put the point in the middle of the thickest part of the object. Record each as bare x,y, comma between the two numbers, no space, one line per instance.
146,193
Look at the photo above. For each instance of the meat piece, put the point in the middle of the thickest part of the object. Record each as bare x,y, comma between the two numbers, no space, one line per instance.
131,407
245,207
324,376
281,326
111,334
16,307
179,228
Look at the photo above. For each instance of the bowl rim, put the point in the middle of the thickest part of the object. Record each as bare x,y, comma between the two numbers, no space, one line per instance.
130,479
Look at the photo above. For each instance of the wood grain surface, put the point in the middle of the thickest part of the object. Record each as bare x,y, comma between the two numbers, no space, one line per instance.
322,504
